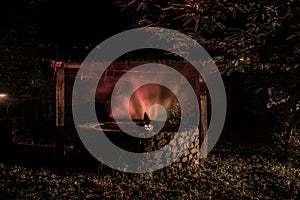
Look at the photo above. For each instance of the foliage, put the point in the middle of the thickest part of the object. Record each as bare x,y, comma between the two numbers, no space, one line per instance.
235,31
232,171
21,71
260,39
31,94
287,134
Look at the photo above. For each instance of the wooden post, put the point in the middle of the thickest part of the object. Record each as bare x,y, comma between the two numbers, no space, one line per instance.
201,92
60,110
203,116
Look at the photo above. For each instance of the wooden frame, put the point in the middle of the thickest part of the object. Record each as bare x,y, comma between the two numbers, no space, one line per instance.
200,90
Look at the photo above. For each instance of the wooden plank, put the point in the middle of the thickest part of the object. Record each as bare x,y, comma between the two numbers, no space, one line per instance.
128,64
60,96
72,65
60,111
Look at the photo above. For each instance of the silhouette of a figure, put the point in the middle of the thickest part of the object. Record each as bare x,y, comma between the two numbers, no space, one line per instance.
146,119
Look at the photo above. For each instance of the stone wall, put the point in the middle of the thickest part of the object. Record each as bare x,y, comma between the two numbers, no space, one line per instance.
190,157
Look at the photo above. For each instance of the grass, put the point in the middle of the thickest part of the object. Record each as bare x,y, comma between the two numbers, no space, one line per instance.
231,171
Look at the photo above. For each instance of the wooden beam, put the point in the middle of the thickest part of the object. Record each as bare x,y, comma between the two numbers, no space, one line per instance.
203,116
72,65
60,111
201,92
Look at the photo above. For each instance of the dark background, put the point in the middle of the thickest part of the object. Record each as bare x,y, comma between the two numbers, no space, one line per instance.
68,30
65,25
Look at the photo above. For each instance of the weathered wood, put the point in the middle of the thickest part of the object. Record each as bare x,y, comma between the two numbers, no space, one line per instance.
72,65
60,96
60,111
203,117
201,92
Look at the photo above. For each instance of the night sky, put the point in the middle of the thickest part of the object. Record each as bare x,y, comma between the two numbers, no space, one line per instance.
66,22
84,21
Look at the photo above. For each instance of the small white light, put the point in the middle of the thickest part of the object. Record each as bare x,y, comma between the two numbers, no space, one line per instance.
2,95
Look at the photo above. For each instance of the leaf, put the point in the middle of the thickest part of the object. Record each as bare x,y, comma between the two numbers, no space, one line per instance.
141,5
229,71
196,24
187,20
240,68
290,37
234,13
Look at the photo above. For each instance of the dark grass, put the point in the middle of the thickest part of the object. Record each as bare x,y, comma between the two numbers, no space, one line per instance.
235,169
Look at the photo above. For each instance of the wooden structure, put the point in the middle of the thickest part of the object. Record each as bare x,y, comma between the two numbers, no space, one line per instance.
198,84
